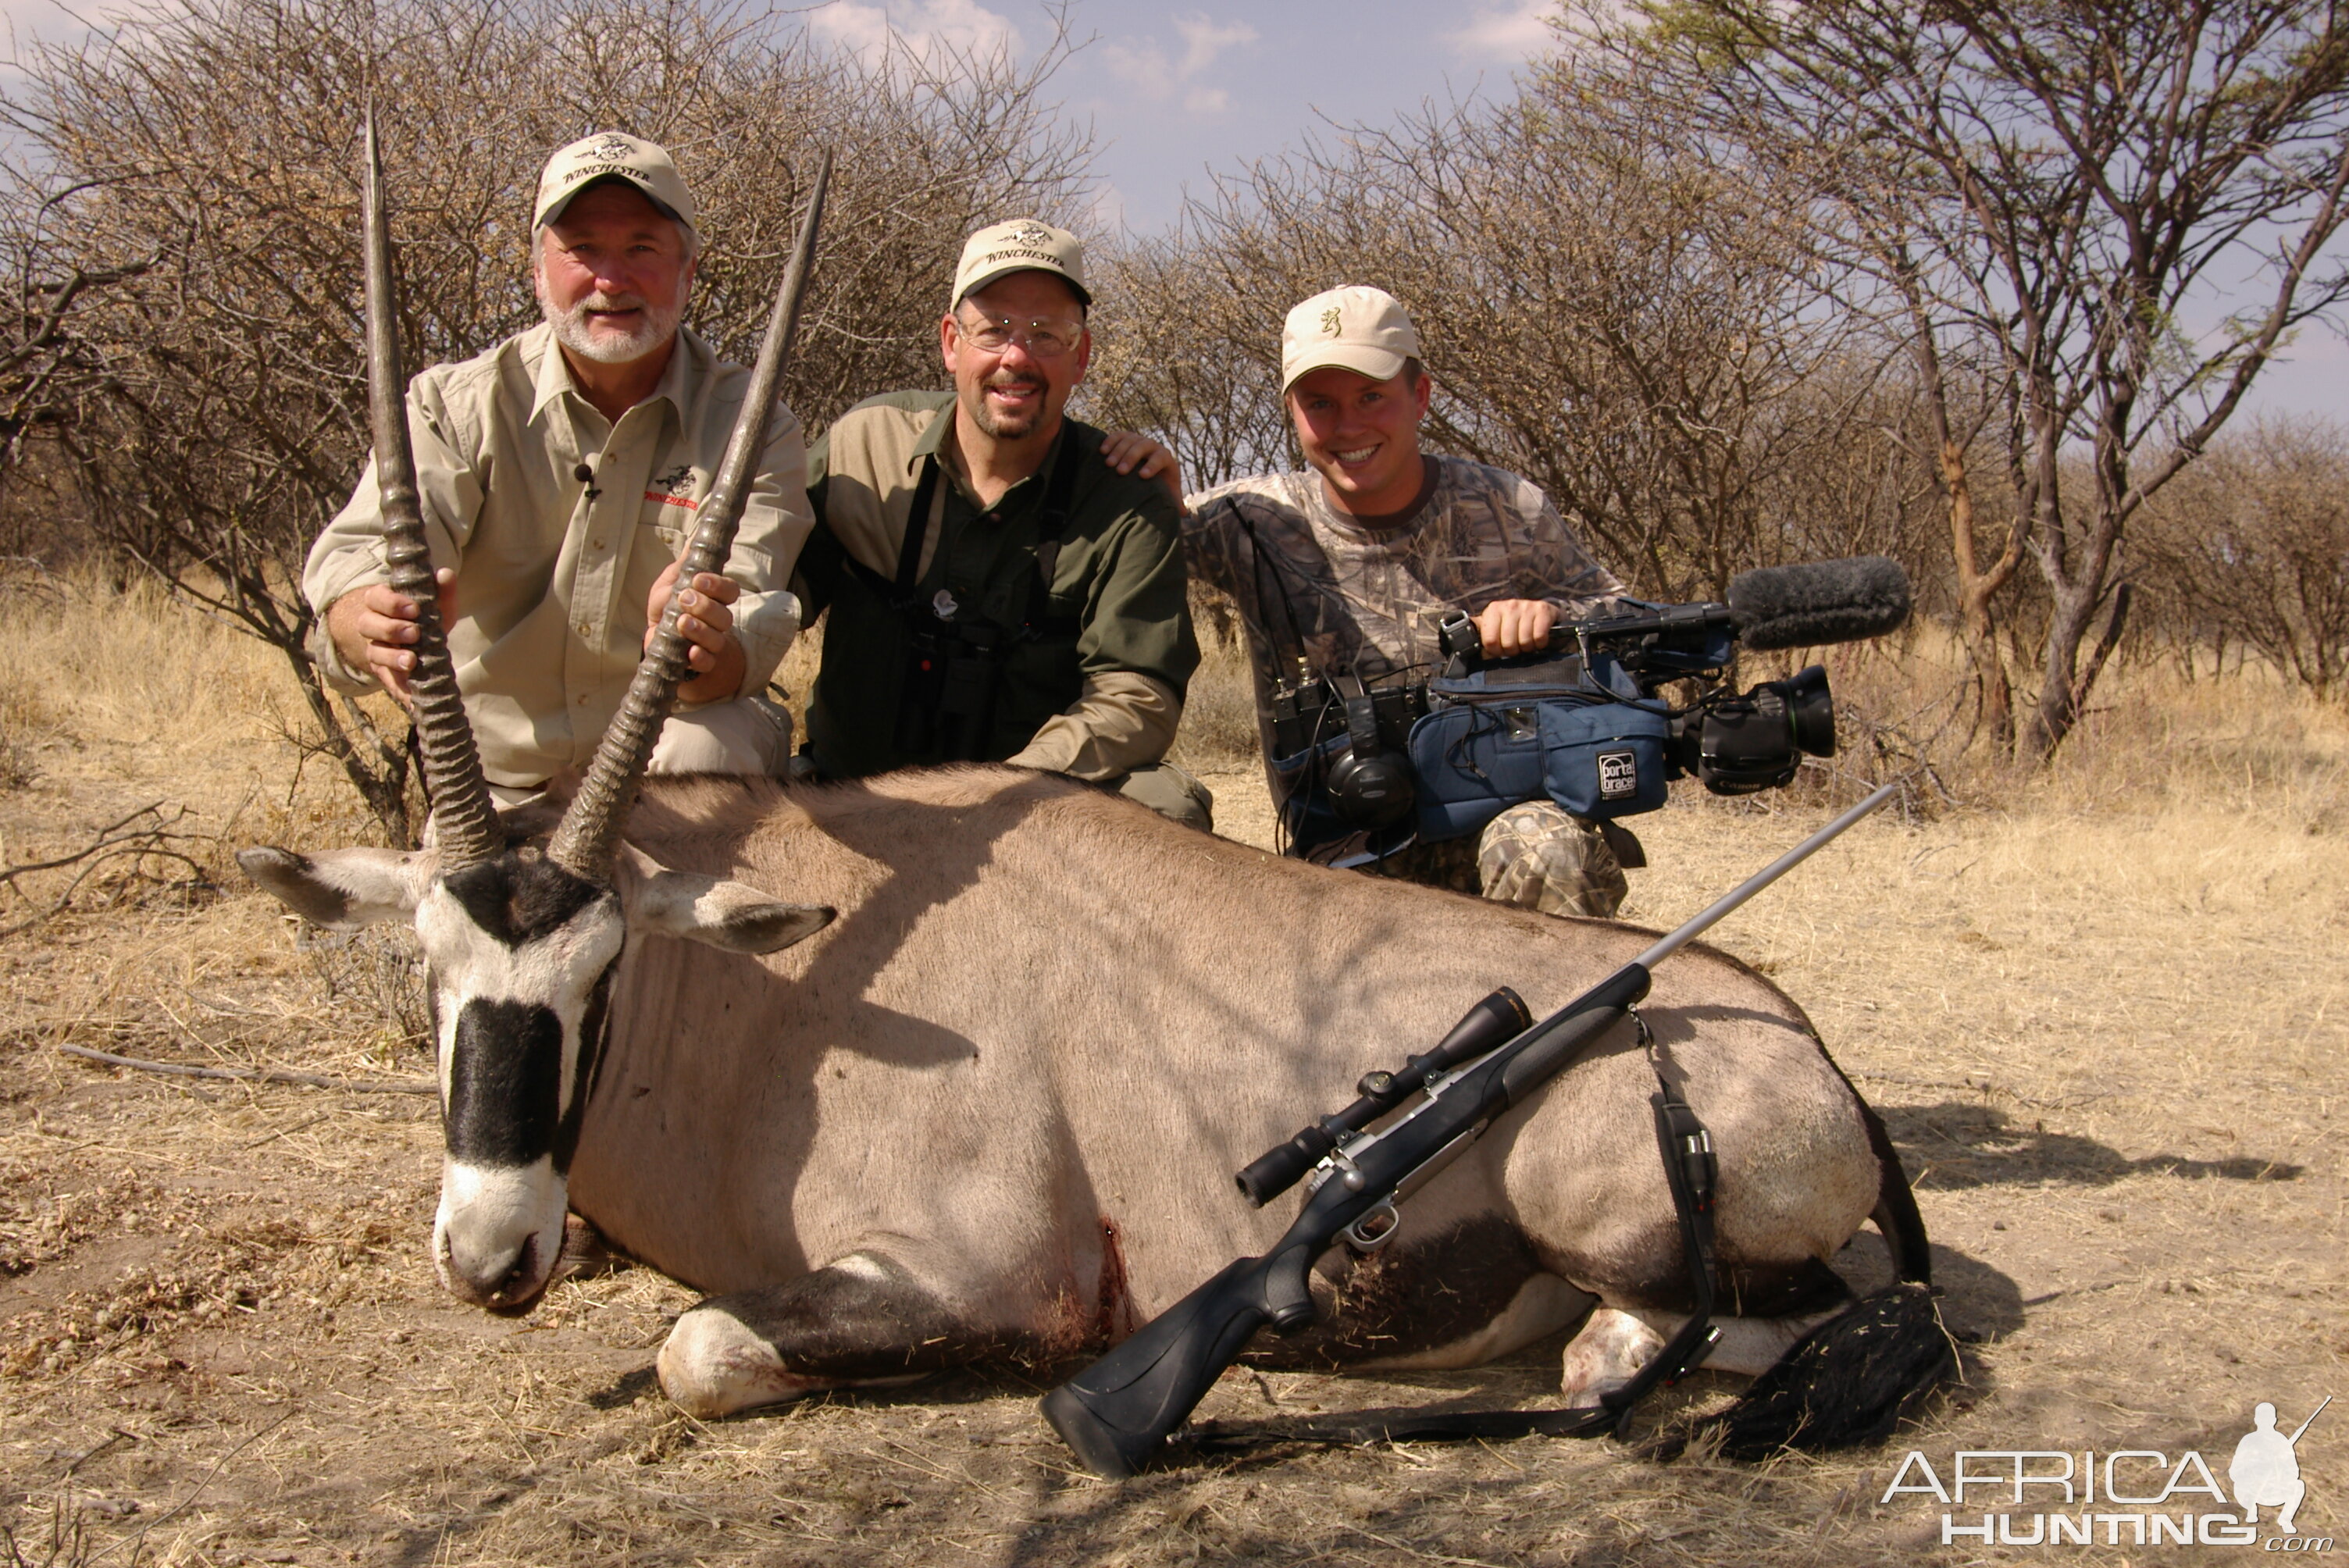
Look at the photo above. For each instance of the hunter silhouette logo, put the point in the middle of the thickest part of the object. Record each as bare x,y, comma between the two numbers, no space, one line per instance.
2125,1497
2266,1468
1329,320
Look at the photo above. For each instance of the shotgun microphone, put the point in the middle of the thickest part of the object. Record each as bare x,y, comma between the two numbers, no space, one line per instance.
1818,601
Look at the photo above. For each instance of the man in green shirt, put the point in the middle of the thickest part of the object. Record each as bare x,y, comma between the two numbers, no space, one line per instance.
995,590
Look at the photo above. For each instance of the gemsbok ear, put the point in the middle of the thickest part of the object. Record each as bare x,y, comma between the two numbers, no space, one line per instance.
725,914
342,889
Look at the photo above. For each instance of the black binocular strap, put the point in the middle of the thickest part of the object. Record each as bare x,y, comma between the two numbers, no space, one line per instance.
1258,564
1691,1172
1051,521
917,529
1053,512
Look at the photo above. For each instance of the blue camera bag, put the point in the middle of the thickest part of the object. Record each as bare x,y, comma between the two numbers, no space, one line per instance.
1591,745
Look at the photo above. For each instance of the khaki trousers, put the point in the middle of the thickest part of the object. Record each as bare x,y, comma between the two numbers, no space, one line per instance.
748,735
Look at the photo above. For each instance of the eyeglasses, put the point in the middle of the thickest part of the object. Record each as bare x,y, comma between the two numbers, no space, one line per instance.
1044,336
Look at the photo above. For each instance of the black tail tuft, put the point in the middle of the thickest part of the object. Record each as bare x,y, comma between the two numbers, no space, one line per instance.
1847,1381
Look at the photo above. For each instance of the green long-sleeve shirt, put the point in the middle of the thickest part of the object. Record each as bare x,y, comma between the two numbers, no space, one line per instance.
1094,691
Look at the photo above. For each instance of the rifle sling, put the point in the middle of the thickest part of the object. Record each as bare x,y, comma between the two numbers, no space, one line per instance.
900,593
1691,1172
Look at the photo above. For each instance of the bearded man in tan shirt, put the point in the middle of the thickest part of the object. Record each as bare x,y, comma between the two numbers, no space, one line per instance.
561,472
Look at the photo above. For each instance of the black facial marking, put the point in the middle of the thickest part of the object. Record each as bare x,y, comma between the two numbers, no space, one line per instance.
516,900
591,1026
505,1073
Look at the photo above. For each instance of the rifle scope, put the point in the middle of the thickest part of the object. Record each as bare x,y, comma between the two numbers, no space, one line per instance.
1497,1019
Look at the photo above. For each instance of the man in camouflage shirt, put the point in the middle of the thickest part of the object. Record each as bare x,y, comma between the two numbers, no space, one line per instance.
1352,566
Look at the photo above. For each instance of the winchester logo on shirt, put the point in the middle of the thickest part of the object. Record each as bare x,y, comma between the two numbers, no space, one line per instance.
669,489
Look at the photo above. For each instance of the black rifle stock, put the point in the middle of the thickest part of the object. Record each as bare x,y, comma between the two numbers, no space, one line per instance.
1117,1412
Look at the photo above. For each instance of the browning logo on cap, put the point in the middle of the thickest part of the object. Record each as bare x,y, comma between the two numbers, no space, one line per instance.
1364,330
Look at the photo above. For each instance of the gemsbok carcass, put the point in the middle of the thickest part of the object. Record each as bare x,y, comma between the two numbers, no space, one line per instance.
979,1091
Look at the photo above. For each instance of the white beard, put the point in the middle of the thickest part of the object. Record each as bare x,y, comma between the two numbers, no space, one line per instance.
572,329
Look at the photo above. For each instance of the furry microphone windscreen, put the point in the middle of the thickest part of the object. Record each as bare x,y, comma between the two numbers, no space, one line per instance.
1818,602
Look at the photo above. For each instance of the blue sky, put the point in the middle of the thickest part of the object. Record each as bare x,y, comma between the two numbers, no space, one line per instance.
1173,92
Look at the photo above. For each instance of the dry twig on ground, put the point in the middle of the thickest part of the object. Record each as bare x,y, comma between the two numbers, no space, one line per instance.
255,1074
118,841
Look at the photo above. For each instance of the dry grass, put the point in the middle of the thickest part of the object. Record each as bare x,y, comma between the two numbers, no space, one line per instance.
2102,1011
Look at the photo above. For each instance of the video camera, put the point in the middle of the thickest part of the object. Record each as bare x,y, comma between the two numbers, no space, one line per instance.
1580,722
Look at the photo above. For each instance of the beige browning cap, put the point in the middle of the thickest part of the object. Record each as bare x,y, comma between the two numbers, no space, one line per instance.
614,155
1354,328
1023,245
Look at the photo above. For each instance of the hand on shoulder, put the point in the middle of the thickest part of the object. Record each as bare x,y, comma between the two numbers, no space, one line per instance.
1131,452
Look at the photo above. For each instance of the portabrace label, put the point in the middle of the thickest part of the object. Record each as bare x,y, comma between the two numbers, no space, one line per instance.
1619,775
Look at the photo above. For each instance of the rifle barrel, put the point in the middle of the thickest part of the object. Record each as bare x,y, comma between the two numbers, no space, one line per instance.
2312,1420
1721,906
1115,1414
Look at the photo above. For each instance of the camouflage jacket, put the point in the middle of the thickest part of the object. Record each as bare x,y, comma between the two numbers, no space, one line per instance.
1314,586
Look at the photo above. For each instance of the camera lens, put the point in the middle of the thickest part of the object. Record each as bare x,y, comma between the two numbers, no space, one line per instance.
1810,710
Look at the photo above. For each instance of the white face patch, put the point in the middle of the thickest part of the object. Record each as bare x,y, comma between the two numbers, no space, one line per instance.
492,1221
498,1232
557,971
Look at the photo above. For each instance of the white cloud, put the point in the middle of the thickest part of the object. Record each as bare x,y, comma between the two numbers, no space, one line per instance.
1513,32
1203,40
1147,67
866,30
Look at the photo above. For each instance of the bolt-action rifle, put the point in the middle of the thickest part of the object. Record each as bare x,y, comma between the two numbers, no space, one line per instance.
1116,1413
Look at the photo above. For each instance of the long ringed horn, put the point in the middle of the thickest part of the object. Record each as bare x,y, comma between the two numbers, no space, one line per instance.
585,841
466,818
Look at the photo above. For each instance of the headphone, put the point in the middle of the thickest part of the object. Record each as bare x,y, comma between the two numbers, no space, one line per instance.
1370,786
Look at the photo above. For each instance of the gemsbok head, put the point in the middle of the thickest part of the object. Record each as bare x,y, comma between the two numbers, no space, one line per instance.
519,940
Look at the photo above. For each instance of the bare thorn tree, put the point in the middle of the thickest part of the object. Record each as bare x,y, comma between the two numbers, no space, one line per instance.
1607,307
2252,543
200,159
2075,177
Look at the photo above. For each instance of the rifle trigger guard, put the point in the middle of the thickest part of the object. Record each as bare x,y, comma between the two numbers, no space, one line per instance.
1374,1229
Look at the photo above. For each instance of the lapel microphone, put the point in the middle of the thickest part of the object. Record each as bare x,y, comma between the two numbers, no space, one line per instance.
585,475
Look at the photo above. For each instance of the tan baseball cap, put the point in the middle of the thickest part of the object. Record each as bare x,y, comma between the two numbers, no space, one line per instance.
1023,245
613,155
1356,328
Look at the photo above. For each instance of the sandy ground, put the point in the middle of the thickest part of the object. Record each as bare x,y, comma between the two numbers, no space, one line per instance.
2108,1036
